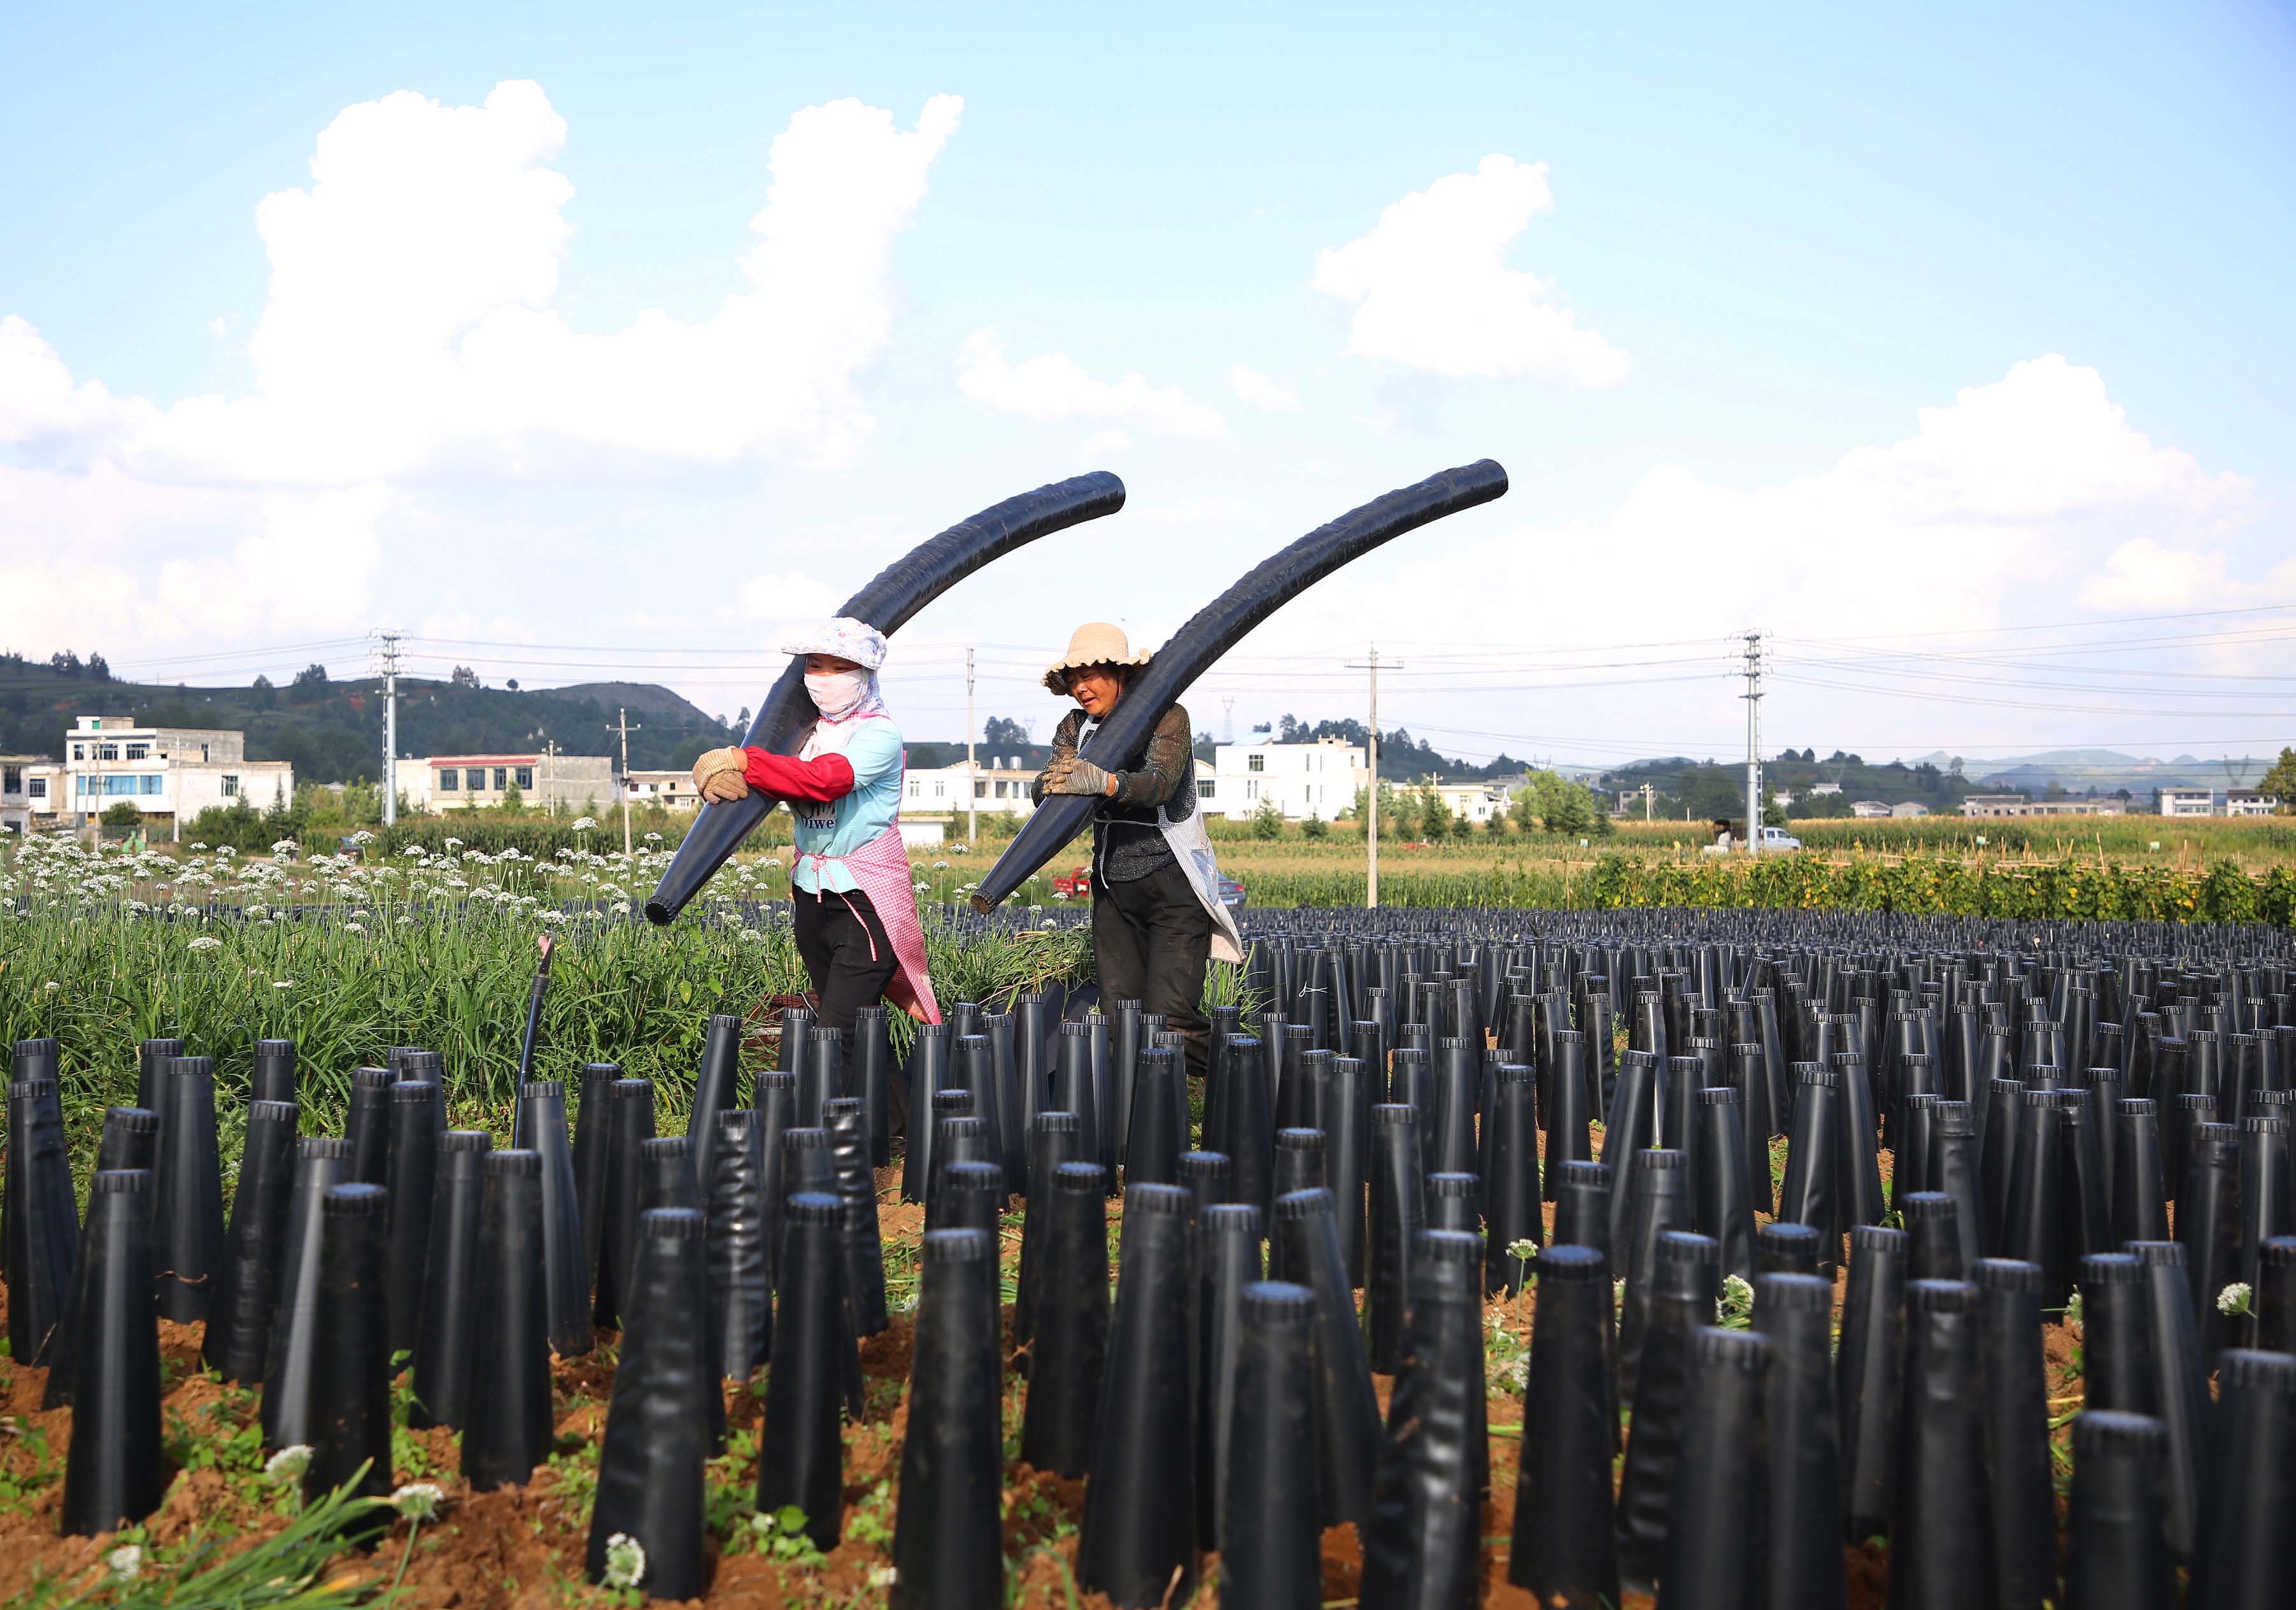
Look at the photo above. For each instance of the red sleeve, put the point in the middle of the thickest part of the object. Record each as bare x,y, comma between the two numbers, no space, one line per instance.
823,777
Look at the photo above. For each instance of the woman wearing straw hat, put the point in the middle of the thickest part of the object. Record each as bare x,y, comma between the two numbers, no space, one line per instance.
1156,913
856,908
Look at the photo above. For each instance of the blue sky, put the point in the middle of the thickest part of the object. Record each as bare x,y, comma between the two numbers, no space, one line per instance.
1770,241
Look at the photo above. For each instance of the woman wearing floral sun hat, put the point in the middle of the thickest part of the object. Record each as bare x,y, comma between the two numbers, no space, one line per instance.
856,908
1157,917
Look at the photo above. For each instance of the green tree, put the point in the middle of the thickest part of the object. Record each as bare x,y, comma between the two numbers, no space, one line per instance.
121,814
1436,821
1267,821
1557,806
1315,827
2281,779
512,802
1496,824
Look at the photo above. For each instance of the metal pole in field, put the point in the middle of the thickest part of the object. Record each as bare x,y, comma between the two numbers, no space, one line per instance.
971,788
1370,790
622,726
1753,697
388,642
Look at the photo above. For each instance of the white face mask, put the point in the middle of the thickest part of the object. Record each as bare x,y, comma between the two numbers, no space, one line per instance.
839,693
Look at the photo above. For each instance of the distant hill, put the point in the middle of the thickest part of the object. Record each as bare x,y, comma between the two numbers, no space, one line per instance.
332,731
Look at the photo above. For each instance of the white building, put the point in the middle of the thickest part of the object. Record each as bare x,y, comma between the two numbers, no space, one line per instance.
670,790
1909,808
31,785
169,774
2185,801
544,781
991,784
1304,779
1869,809
2250,803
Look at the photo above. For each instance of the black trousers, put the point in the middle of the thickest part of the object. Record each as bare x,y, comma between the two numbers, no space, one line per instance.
1152,939
835,939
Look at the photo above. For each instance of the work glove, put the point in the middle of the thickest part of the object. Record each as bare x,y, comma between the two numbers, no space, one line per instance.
718,774
1071,774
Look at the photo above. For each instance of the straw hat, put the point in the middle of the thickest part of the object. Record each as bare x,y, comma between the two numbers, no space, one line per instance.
1094,643
843,637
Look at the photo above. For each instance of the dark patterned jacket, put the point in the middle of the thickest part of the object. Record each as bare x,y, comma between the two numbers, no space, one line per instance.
1126,842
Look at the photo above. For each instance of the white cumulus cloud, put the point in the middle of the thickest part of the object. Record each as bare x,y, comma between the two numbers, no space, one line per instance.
1052,386
410,333
1257,390
1431,289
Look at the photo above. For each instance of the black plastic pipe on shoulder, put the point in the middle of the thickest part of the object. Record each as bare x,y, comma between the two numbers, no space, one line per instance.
1219,627
899,592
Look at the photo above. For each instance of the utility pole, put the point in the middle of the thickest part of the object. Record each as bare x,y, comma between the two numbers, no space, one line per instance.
1650,803
972,787
1228,718
1753,697
1371,662
549,757
387,652
622,725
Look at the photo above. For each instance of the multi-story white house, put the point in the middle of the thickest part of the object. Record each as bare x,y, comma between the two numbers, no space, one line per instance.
2185,801
31,786
169,774
544,781
2250,803
991,784
1304,779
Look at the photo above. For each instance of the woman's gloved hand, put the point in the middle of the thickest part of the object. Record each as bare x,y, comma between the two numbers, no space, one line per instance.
718,774
1072,774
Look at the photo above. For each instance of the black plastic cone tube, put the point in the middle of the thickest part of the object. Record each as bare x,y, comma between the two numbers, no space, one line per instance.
1072,1086
1813,1169
800,1454
2037,1232
776,1096
187,1211
2115,1556
1805,1520
2139,1200
114,1473
1347,1156
274,1079
1274,1545
1138,1536
1563,1551
2117,1340
630,1102
1299,1161
1715,1558
366,1125
1786,1248
1724,1196
2274,1295
131,1137
1422,1544
1937,1537
1685,1280
1228,1238
717,1088
2208,1223
2021,1497
412,1178
1219,626
1510,1179
857,1187
1347,1406
1568,1138
949,1549
1068,1355
665,1173
658,1423
869,1075
321,1164
542,1128
442,1346
1399,1212
2180,1389
1153,1141
1932,1220
593,1125
350,1362
786,714
821,1073
506,1428
1055,1138
1953,1170
2247,1550
1582,1205
1629,1134
1867,1373
740,1266
238,1340
42,1221
149,1057
2001,1117
1661,1204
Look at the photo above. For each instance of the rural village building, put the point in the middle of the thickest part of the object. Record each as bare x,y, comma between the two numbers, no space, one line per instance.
168,774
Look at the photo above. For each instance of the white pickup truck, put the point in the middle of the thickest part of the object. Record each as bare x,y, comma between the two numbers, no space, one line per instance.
1773,839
